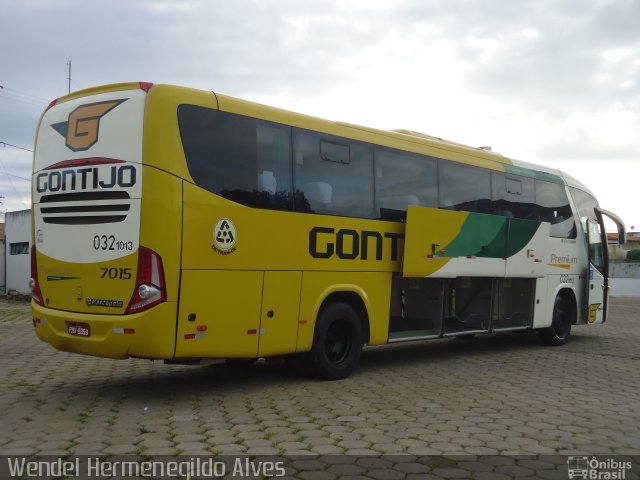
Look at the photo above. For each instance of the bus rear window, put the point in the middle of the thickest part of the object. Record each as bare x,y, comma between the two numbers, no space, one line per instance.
243,159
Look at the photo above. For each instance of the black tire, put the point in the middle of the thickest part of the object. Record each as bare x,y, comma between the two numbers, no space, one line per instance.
337,343
560,329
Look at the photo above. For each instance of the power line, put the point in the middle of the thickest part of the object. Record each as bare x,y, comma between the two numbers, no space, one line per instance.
24,95
17,176
6,144
9,178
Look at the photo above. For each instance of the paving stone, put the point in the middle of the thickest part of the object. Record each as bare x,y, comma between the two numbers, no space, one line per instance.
479,399
232,449
327,449
189,437
386,448
121,449
291,446
189,447
156,443
160,451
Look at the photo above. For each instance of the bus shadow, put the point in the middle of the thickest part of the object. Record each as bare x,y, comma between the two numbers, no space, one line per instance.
411,353
168,381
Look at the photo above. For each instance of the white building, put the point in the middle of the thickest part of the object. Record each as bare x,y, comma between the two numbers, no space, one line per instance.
18,250
2,259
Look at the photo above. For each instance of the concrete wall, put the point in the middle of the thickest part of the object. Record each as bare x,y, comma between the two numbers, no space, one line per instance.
624,269
624,287
18,255
2,269
625,279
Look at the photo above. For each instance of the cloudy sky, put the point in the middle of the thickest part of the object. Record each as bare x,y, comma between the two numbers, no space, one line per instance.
555,82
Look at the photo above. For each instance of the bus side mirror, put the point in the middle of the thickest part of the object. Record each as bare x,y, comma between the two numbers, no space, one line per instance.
622,234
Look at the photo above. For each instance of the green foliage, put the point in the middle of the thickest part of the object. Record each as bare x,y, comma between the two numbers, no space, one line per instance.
634,255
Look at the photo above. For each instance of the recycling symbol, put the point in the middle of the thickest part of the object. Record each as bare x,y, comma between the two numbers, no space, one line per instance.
224,235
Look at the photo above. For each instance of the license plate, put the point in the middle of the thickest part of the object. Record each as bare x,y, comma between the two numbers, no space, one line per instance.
78,329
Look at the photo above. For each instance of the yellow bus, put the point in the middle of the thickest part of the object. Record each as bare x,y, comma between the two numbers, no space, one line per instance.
177,224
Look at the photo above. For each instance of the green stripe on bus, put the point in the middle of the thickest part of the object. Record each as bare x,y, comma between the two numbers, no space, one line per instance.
479,236
535,174
490,236
520,234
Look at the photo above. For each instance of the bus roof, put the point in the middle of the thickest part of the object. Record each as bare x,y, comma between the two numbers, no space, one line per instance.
408,140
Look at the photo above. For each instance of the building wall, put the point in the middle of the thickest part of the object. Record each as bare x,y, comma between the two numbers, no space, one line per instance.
625,279
18,250
619,252
625,287
624,270
2,269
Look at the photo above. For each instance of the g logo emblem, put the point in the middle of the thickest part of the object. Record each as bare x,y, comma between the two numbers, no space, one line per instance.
225,236
82,128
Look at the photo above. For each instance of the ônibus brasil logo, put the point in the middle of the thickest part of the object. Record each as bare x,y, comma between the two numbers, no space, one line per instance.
225,237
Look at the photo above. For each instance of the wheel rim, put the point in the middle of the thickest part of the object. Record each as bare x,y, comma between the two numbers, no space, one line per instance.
338,342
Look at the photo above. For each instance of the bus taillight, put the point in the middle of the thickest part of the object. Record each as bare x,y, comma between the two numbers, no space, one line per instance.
146,86
150,288
36,294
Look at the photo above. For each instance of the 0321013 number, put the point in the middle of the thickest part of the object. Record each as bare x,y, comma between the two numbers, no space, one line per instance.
116,273
566,279
109,242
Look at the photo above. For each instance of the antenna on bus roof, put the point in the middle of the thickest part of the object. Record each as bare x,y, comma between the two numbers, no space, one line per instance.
69,75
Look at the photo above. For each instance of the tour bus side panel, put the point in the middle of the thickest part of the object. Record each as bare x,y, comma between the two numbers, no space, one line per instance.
161,223
160,231
371,288
219,314
165,167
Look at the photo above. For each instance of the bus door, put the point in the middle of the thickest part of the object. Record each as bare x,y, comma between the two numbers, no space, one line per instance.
467,250
598,279
598,284
448,244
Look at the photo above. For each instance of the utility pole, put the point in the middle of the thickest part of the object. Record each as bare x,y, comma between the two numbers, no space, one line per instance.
69,75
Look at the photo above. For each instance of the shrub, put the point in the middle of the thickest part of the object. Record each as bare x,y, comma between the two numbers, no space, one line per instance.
634,255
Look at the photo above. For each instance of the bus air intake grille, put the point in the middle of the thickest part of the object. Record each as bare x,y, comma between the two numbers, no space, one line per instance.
85,208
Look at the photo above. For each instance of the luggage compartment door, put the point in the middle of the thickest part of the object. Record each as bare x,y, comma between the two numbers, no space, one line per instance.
219,314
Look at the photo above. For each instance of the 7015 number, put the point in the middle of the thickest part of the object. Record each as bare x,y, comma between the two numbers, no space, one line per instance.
116,273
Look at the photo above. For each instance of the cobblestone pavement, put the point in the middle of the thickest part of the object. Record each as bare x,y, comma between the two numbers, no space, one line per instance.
487,399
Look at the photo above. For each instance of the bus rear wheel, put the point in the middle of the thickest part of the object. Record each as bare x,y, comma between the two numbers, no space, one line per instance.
337,342
560,329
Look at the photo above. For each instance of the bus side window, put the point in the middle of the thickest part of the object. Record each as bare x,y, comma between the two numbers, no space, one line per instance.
333,175
404,179
512,196
464,187
273,152
585,203
553,206
241,158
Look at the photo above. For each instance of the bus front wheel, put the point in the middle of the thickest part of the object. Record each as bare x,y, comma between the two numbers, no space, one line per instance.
560,329
337,342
